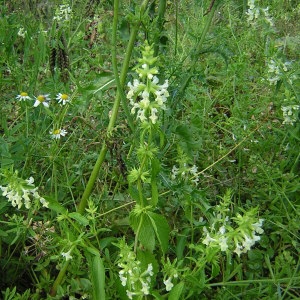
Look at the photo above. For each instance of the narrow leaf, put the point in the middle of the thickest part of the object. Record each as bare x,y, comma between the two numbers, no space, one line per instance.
98,278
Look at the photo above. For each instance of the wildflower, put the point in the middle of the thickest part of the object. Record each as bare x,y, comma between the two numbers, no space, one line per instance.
238,249
67,255
208,239
22,32
23,96
175,171
290,114
62,98
223,243
57,133
20,192
168,283
44,99
147,85
257,226
63,13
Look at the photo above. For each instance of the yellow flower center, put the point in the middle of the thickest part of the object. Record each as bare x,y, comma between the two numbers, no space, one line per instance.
23,94
57,131
64,96
41,98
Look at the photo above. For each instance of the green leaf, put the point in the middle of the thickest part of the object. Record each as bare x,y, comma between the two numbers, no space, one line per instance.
98,278
55,206
176,291
142,227
79,218
161,228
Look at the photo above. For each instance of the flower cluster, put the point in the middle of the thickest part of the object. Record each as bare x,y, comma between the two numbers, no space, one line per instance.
254,12
237,236
20,192
146,96
63,13
133,275
184,171
290,114
276,70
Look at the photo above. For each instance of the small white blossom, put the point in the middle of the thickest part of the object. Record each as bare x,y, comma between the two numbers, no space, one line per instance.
208,239
67,255
168,283
22,32
223,243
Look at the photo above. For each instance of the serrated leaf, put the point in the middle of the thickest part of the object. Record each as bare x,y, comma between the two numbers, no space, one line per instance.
161,229
142,227
79,218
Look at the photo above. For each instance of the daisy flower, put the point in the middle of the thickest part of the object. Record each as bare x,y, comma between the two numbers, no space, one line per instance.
23,96
62,98
57,133
44,99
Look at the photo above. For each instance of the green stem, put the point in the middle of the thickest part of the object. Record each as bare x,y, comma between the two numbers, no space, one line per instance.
115,66
160,24
195,53
59,278
88,190
137,234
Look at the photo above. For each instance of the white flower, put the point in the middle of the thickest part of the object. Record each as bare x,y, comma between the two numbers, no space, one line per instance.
67,255
208,239
222,229
153,116
257,226
223,243
150,270
44,202
63,98
57,133
63,13
169,285
22,32
44,99
175,171
238,249
23,96
194,170
248,243
145,287
129,294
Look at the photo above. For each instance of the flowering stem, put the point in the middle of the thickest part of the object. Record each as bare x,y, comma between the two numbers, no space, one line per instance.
88,190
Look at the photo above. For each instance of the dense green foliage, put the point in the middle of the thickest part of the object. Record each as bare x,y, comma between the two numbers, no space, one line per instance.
150,149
